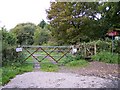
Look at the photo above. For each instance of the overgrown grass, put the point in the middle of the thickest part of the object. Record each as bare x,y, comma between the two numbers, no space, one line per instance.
106,57
69,61
0,76
77,63
65,60
48,66
9,72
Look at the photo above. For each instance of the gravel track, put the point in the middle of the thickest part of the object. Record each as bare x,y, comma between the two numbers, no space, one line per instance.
59,80
88,77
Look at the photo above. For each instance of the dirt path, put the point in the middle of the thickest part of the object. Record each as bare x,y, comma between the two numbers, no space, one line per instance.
99,69
36,65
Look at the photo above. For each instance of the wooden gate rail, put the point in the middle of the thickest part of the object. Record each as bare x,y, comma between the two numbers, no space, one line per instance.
63,55
49,53
30,46
31,54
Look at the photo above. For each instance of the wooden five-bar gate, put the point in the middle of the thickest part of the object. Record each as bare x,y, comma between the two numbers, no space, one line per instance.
56,53
46,51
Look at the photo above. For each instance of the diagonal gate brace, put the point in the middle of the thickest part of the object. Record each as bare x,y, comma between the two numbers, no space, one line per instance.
31,54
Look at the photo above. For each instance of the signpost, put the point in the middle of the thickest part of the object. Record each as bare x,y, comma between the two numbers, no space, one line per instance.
112,34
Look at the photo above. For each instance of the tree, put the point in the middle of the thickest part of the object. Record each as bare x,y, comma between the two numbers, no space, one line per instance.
76,22
41,36
42,24
8,39
110,12
9,55
24,33
71,22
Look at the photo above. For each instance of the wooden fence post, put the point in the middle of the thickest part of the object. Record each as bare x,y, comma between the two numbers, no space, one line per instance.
84,49
95,49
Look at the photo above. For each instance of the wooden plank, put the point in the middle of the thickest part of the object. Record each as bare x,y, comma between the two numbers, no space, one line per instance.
63,55
45,55
84,49
95,49
89,51
31,46
30,54
48,54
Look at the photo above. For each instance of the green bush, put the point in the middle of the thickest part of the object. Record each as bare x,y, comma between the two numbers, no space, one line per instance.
8,50
107,57
117,46
102,45
10,56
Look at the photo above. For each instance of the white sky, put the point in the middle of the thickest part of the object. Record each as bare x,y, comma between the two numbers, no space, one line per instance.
13,12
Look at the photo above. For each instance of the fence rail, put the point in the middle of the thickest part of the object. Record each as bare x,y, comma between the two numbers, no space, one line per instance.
31,46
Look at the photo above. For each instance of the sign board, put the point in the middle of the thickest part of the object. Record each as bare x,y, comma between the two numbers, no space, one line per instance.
74,50
18,49
117,38
113,33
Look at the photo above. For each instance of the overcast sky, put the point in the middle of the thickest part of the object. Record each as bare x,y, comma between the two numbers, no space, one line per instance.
13,12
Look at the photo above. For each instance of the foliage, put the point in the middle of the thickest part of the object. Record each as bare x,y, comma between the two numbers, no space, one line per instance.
42,24
24,33
102,45
41,36
0,76
77,63
51,42
75,60
49,67
9,72
106,45
65,60
71,21
7,38
107,57
9,55
110,12
117,46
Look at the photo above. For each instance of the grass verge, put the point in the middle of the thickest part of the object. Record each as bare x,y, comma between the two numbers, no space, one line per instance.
9,72
0,76
77,63
107,57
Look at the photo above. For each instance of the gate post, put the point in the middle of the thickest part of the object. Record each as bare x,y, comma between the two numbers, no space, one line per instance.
95,49
84,49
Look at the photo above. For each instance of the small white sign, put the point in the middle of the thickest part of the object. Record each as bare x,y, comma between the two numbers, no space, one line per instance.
74,50
18,49
117,38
